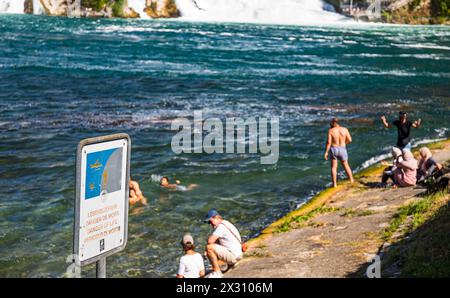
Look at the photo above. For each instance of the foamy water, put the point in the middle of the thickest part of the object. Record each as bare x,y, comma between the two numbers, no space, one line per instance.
63,80
138,6
293,12
12,6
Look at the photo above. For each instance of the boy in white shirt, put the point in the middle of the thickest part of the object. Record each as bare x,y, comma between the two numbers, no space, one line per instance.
191,264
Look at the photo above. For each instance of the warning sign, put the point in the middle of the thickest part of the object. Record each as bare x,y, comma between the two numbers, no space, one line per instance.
101,211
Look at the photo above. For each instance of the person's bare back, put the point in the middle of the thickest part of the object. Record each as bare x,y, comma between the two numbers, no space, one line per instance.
340,136
337,139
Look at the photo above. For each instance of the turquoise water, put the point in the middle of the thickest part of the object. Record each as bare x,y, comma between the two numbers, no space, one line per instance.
62,80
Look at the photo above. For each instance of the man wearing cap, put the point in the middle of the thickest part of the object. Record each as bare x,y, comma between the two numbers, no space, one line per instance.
224,244
403,129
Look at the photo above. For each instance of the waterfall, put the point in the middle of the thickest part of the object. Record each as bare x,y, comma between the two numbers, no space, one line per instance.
295,12
291,12
37,7
138,6
12,6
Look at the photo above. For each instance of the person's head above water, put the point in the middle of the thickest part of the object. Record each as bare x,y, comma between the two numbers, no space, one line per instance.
213,218
334,122
164,181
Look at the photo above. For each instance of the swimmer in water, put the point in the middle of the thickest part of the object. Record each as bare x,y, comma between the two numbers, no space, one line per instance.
136,194
165,183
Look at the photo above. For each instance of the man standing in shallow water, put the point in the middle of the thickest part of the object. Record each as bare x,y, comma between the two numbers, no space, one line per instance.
338,138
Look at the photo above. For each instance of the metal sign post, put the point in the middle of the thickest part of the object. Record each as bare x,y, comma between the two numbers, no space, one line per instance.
100,268
101,199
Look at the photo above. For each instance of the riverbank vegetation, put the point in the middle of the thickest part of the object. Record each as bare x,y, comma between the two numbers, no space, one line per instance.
420,12
421,239
407,11
95,4
406,227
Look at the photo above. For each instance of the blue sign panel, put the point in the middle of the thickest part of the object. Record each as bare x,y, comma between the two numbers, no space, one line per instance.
103,172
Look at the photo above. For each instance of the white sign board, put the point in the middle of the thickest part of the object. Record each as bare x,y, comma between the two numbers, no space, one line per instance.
101,209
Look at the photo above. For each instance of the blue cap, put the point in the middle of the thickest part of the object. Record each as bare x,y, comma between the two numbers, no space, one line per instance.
211,213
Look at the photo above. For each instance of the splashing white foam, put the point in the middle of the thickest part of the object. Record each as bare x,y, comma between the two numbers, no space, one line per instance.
37,7
12,6
289,12
138,6
156,178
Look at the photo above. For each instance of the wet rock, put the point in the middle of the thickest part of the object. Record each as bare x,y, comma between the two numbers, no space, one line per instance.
130,13
28,7
54,7
162,9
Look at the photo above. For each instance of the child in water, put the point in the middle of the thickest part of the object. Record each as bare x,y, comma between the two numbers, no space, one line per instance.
165,183
191,264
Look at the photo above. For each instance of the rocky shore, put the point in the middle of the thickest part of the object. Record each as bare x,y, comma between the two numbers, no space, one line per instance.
341,230
413,12
418,12
105,8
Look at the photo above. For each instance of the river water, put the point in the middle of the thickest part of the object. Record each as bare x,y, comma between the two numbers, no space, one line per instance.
62,80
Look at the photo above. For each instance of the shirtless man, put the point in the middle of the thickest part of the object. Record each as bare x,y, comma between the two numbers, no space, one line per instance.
338,138
136,194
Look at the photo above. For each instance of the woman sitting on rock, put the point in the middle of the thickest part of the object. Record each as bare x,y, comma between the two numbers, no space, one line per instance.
406,172
427,165
388,172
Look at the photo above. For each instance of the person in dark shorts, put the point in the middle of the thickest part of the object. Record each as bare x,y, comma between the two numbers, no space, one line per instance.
403,129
